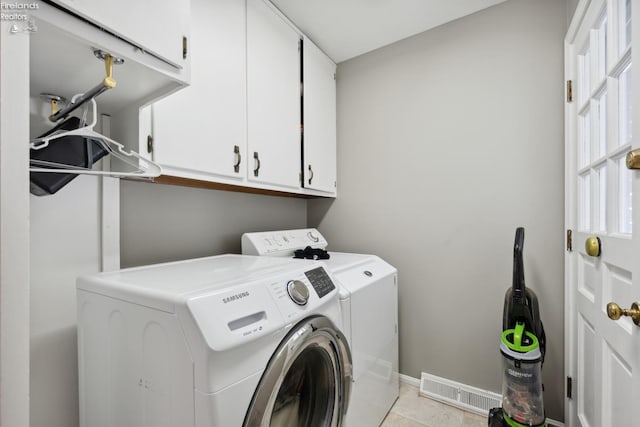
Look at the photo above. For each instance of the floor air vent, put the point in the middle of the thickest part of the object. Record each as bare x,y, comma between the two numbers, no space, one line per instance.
459,395
463,396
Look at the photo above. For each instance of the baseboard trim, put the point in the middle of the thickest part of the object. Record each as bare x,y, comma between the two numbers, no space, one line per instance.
409,380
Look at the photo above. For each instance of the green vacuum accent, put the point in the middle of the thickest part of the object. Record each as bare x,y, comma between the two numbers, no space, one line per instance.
512,423
520,340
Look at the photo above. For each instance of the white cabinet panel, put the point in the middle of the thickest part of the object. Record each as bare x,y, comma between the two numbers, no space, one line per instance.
158,26
319,166
273,90
203,127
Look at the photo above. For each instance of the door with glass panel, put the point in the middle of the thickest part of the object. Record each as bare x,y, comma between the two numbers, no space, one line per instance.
602,348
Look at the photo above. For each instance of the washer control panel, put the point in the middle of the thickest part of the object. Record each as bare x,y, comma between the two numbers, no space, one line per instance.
320,281
232,315
298,292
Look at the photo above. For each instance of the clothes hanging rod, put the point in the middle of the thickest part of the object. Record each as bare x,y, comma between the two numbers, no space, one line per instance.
107,83
86,97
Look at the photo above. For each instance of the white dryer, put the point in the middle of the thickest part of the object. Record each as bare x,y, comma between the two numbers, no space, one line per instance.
369,303
222,341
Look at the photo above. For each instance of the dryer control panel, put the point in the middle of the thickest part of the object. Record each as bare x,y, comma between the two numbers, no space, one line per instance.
281,243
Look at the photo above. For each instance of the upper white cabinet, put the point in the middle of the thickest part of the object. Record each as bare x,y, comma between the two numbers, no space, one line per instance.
62,49
240,121
319,106
160,27
273,90
200,131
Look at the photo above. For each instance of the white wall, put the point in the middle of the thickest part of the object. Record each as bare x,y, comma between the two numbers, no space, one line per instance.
447,141
65,243
14,229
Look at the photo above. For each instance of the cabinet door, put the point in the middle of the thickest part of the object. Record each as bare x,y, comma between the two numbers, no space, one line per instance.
273,90
158,26
202,128
319,146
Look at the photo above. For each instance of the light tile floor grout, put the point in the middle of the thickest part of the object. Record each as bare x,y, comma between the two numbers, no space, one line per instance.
413,410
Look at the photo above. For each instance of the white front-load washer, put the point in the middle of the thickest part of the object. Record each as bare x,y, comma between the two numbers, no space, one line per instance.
221,341
369,303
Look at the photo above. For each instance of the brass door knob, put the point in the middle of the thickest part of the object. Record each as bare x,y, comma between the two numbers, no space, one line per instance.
614,311
633,159
592,246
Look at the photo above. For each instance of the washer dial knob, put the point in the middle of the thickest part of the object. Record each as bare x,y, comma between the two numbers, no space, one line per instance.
298,292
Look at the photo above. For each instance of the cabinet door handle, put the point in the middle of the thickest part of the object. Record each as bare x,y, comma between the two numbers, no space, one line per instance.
236,151
185,47
256,170
310,174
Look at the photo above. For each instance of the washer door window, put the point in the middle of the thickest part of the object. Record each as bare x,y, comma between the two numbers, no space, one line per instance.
307,381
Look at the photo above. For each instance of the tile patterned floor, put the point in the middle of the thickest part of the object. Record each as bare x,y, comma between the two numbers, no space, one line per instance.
413,410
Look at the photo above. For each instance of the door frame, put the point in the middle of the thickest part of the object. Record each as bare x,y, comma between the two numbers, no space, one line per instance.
14,227
571,128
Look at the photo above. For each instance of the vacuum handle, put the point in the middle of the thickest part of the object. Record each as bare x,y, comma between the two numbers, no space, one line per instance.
518,266
519,243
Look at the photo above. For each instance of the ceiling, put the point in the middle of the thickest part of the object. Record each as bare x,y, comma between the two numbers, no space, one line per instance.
344,29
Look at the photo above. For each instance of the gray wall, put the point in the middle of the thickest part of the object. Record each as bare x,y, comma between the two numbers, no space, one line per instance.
571,8
447,141
166,223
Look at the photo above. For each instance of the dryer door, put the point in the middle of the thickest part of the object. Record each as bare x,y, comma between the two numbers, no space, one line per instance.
307,381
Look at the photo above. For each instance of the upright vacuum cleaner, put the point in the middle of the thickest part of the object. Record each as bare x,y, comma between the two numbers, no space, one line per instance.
522,346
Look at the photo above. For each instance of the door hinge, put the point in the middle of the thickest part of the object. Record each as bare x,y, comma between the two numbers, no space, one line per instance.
149,144
185,47
569,240
569,91
569,387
